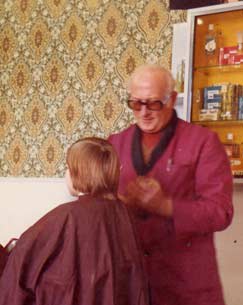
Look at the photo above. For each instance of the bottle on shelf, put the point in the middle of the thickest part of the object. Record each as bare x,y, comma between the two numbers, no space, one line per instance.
211,46
228,145
239,56
227,102
240,42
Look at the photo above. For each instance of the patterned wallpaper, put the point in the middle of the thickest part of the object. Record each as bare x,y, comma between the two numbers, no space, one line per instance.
63,69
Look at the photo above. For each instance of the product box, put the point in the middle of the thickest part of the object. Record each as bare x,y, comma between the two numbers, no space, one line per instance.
212,97
240,109
226,55
213,105
235,59
235,101
232,150
237,173
209,114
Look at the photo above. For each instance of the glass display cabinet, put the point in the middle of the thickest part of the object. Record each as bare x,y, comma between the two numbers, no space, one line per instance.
214,75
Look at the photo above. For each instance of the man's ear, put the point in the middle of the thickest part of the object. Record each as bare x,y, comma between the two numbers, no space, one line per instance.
172,100
173,97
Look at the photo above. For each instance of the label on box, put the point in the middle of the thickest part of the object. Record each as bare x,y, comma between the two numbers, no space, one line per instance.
213,105
240,109
209,115
212,97
226,55
211,94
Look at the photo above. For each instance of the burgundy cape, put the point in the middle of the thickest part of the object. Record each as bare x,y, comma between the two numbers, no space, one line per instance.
3,258
81,253
179,253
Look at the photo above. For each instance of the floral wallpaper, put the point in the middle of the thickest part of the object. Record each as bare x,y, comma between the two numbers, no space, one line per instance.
63,70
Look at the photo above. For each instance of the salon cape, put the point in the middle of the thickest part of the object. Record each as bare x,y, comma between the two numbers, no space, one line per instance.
81,253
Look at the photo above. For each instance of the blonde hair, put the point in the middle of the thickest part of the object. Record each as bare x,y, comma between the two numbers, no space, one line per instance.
94,167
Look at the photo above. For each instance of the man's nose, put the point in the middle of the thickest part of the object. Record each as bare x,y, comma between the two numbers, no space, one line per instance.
144,109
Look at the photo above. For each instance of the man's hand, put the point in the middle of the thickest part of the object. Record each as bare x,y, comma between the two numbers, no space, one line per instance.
146,193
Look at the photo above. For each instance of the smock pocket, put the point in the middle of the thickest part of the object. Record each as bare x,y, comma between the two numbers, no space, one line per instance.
178,178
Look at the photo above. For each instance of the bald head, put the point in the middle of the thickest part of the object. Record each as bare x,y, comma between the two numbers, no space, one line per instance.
152,73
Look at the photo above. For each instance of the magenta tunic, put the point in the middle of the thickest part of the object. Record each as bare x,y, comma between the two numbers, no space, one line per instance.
81,253
179,253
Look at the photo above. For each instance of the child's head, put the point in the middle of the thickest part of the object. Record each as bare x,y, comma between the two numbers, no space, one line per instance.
94,167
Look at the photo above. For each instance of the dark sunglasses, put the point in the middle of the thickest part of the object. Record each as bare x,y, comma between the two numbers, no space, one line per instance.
155,105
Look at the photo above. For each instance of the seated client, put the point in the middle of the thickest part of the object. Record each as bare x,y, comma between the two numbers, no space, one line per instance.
83,252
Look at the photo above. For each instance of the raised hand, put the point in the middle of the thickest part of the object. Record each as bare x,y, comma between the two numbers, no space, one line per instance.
147,194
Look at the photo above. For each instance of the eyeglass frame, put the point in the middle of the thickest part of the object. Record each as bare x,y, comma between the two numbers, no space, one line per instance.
147,102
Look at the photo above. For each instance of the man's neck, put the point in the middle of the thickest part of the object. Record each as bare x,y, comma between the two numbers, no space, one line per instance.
150,140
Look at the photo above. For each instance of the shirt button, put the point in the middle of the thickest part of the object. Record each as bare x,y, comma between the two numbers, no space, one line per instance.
146,253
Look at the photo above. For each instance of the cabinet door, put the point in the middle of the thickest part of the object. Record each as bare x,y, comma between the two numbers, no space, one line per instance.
214,75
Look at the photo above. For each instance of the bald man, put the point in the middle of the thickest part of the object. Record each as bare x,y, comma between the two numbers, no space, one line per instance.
176,178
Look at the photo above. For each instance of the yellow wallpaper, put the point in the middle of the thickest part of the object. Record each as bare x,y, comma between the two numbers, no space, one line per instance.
63,68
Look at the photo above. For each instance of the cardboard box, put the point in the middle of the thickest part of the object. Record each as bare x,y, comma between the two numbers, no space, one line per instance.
209,115
226,55
232,150
236,59
240,110
212,97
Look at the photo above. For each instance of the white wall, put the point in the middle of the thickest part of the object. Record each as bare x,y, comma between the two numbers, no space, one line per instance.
24,200
229,245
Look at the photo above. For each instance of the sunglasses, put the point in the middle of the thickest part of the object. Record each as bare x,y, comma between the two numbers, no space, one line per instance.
154,105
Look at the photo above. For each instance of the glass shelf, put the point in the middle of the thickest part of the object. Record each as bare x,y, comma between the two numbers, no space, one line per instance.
207,70
219,122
